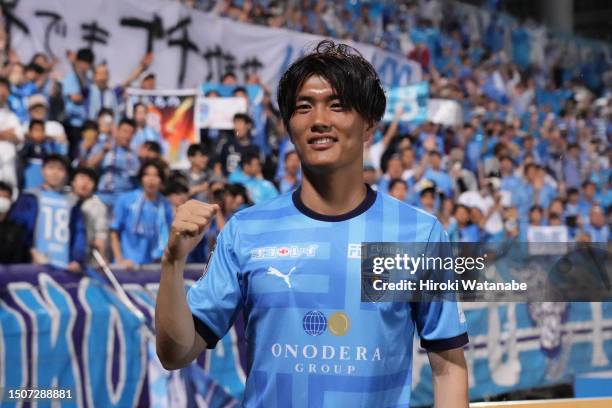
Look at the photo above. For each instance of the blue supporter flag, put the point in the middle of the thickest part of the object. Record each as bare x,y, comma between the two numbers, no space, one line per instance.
411,98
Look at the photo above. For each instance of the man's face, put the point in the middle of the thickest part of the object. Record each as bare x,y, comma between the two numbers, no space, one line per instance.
407,158
178,199
597,217
100,76
427,200
124,135
4,93
325,134
82,66
105,124
54,174
199,160
394,168
399,191
589,191
151,181
37,133
241,128
292,164
83,186
252,168
435,160
38,112
140,115
148,83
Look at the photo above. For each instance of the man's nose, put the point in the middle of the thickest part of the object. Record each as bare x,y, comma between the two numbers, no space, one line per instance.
321,120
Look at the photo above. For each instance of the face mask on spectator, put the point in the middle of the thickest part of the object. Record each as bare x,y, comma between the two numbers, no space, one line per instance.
5,205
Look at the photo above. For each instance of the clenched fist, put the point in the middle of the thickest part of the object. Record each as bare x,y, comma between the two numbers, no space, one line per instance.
188,227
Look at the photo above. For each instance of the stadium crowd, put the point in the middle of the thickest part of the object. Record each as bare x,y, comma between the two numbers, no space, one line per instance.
77,174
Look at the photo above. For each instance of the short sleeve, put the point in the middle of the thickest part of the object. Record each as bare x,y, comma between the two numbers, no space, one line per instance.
216,297
120,212
441,325
71,85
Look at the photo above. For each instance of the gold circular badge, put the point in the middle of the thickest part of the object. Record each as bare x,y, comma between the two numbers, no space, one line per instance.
338,323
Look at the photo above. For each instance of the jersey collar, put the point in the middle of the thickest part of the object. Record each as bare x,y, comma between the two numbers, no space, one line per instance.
367,202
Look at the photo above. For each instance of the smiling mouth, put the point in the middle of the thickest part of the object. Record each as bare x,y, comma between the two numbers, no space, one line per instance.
323,140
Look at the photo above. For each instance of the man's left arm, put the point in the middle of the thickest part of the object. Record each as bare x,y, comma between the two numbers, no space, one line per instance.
450,378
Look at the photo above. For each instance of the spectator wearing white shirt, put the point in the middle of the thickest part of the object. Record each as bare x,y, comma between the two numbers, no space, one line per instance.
11,136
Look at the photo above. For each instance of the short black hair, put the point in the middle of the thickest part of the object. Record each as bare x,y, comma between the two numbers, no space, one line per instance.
4,186
137,104
240,89
4,81
248,157
105,111
90,125
36,122
244,117
351,76
176,185
195,149
85,55
395,181
228,74
86,171
290,152
158,164
127,121
152,146
57,158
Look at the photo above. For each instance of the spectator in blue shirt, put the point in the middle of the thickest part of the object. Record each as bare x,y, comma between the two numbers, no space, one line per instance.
439,176
141,219
117,163
144,132
598,229
76,93
31,156
290,180
260,189
54,224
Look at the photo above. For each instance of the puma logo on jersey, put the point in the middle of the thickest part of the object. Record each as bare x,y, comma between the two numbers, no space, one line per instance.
285,277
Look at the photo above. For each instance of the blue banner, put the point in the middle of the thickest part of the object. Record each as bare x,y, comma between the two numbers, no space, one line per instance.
66,331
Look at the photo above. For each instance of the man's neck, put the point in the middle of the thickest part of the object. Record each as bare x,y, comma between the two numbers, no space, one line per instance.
150,196
47,186
334,193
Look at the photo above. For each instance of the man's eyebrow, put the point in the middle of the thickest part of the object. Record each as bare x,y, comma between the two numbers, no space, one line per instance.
307,98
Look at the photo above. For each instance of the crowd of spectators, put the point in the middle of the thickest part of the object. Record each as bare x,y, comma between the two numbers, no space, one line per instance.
78,175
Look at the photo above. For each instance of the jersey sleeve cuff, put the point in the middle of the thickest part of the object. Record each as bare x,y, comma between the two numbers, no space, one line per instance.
205,332
445,344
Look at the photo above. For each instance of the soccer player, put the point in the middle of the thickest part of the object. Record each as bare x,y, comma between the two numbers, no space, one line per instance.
292,265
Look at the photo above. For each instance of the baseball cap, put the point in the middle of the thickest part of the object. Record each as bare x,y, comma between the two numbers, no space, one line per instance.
37,100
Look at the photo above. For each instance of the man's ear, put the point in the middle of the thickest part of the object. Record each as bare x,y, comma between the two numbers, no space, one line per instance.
369,133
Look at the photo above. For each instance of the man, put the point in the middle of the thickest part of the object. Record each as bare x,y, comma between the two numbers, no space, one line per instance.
230,150
55,231
84,181
11,135
117,163
198,175
144,132
331,101
76,94
12,249
260,189
141,219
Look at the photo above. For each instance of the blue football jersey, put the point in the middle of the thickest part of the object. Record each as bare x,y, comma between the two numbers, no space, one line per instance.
296,276
52,229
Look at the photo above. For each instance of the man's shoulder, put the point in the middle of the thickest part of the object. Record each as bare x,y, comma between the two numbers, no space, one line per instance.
269,210
409,213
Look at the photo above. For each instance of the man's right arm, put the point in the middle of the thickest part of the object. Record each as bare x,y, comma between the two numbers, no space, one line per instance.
177,341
